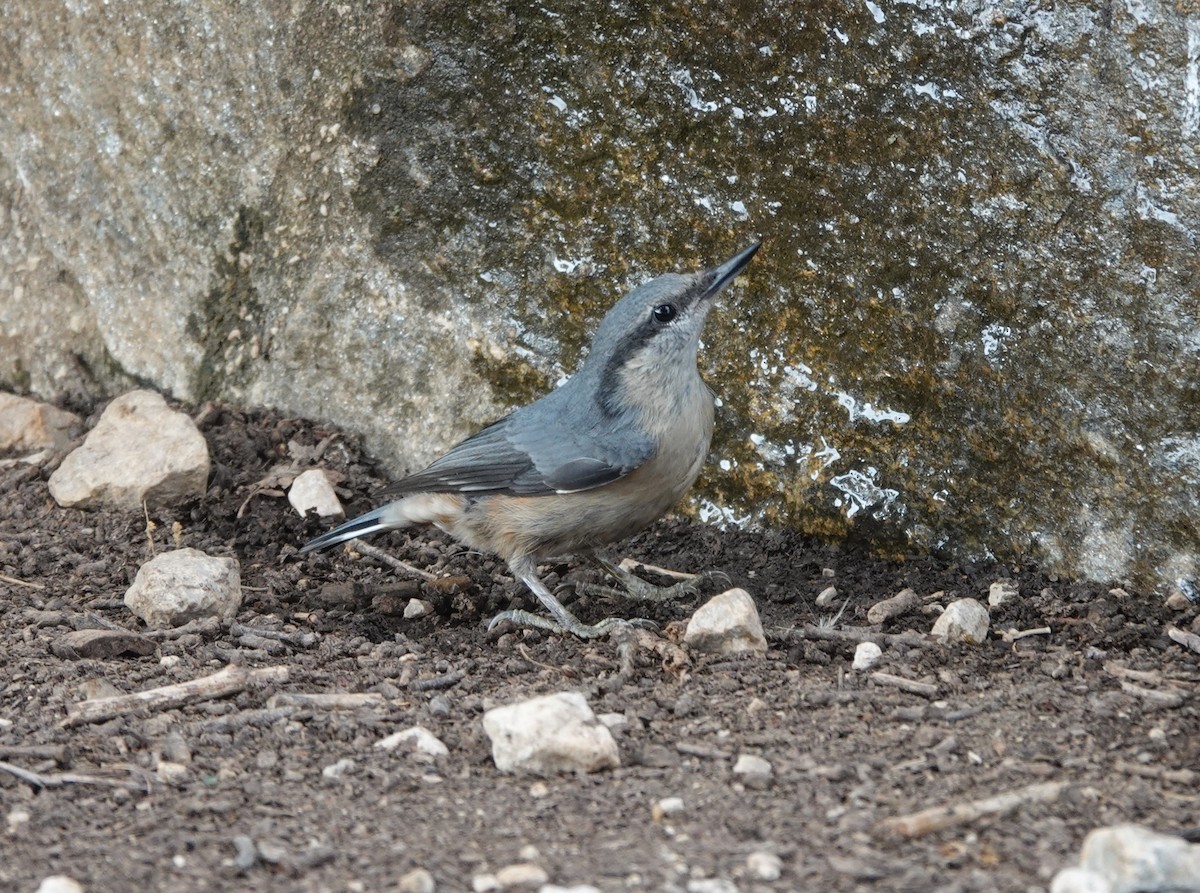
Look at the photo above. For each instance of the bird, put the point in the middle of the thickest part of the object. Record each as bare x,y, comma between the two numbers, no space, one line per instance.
592,462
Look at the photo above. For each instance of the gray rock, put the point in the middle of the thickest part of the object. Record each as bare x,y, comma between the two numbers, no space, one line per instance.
964,620
416,881
866,655
176,587
1134,859
27,426
140,450
827,597
764,866
1002,591
307,236
549,735
726,624
521,876
753,771
416,608
1079,880
312,491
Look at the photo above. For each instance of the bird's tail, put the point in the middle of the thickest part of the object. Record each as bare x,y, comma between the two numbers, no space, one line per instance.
383,518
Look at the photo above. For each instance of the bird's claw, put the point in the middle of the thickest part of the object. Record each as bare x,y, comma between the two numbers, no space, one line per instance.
569,623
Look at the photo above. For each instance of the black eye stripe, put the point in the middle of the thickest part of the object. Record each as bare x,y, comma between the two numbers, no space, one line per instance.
664,313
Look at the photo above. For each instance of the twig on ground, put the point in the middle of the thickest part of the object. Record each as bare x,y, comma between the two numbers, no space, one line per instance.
703,751
632,564
260,716
206,626
295,639
226,681
1013,635
853,634
936,818
61,779
446,680
1186,777
5,578
344,700
1166,699
56,752
390,560
912,686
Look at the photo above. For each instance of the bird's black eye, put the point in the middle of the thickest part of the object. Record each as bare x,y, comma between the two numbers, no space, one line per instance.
664,313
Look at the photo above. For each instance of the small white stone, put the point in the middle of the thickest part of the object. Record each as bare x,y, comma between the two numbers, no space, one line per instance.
416,881
342,767
169,772
726,624
59,883
313,491
417,607
1133,858
185,584
578,888
613,720
764,866
169,661
711,885
484,883
866,655
1079,880
521,876
418,738
1002,591
140,450
753,770
667,807
965,620
827,597
548,735
16,818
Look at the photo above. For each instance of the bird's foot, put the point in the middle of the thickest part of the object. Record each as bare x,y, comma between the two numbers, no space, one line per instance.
566,622
634,587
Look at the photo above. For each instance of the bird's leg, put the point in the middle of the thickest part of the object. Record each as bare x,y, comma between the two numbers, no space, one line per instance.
636,588
563,620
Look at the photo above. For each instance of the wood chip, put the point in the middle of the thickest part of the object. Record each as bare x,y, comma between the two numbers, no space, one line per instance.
227,681
948,815
1191,641
912,686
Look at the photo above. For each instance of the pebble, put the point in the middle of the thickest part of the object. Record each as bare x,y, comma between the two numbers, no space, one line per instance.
247,853
827,597
484,882
1133,858
27,426
313,491
170,772
418,738
578,888
726,624
754,771
666,807
416,608
1002,591
521,876
549,735
965,620
101,644
140,450
342,767
1177,601
59,883
185,584
711,885
1079,880
764,866
416,881
866,655
900,603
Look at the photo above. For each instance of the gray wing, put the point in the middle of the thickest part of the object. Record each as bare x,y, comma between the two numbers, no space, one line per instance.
515,455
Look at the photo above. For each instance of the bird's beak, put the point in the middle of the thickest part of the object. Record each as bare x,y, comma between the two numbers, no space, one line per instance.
719,277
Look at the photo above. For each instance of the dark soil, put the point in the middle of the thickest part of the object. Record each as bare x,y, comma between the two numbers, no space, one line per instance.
848,752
